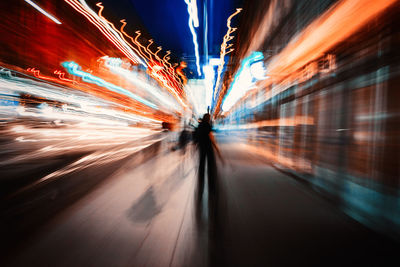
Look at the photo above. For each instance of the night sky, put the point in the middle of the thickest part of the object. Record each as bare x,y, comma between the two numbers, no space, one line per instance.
166,22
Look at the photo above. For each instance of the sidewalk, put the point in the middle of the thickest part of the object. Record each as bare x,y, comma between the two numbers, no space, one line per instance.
270,219
145,216
133,219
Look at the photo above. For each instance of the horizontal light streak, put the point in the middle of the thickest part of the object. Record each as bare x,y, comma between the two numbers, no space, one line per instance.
131,77
74,69
297,120
76,106
334,26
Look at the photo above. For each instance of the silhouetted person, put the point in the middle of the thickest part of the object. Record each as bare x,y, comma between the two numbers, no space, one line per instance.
206,145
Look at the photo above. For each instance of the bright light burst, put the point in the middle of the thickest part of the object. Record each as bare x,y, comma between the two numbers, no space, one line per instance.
244,80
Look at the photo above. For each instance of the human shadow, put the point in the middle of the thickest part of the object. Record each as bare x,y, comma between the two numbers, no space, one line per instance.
208,206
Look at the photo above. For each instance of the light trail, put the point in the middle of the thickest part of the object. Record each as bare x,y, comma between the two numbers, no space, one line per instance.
52,103
294,121
149,57
167,83
169,67
61,76
242,82
165,80
112,144
105,29
101,8
74,69
116,37
44,12
148,48
153,71
223,52
334,26
95,159
128,75
134,41
194,23
113,98
50,141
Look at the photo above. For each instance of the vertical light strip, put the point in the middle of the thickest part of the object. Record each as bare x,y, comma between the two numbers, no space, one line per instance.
41,10
194,22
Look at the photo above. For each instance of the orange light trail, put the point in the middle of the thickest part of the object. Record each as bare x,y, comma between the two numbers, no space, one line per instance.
167,84
101,7
334,26
134,41
165,80
105,30
225,46
116,37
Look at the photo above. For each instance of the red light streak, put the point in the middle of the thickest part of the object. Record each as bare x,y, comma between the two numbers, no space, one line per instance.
61,76
37,74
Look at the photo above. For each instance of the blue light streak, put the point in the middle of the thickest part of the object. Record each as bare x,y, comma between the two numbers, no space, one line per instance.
74,69
194,22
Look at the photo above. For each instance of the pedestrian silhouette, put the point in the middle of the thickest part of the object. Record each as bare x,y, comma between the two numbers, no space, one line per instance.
206,145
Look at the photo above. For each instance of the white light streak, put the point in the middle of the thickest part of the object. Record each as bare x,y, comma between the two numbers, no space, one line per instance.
41,10
108,31
114,65
77,107
194,23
